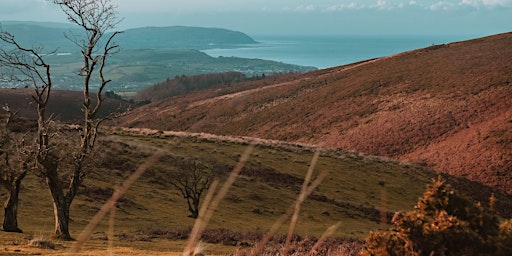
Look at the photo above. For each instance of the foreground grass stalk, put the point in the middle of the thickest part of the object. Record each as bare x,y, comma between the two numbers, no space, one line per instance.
200,223
261,244
210,209
110,236
322,239
86,232
300,199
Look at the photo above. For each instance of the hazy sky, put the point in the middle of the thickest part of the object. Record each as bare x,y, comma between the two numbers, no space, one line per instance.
255,17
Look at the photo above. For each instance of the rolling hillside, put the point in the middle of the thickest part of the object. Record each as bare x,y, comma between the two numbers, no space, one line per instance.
446,106
359,192
51,36
181,37
64,106
147,55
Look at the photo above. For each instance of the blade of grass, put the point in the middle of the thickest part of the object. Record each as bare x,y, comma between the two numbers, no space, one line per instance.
210,209
199,224
261,244
86,232
322,239
110,236
300,199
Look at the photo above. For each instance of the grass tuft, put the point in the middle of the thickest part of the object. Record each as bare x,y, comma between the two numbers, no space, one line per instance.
41,242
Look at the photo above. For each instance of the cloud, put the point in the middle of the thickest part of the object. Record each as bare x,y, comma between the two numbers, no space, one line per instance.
377,5
381,4
343,7
487,3
306,8
473,3
442,5
294,6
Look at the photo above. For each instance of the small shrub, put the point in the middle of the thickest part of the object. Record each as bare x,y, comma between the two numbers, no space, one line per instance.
443,223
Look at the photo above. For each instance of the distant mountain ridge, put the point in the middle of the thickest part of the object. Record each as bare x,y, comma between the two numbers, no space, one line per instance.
51,36
181,37
147,55
445,106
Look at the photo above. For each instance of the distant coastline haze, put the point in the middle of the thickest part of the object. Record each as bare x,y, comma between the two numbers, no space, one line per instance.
291,17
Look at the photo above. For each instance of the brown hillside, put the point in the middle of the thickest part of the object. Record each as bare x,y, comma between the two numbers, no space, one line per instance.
446,106
65,106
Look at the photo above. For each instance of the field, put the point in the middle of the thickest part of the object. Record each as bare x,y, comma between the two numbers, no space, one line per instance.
412,126
355,191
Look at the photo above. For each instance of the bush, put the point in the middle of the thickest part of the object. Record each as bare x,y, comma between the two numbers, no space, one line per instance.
443,223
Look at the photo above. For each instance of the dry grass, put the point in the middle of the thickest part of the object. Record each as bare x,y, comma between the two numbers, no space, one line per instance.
150,217
211,203
445,106
106,208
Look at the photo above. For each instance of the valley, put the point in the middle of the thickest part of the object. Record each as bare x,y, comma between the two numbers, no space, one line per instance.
383,129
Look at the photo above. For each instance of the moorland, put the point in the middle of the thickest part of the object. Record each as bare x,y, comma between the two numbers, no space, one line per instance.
384,128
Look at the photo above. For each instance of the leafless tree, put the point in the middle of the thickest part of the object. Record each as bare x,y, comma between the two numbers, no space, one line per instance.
15,163
192,177
24,65
96,18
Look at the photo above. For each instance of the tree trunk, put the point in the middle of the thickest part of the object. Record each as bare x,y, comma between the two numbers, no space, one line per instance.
192,208
60,203
10,223
61,212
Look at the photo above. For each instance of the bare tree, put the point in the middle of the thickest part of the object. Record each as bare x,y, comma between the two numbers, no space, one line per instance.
27,66
96,18
15,163
192,178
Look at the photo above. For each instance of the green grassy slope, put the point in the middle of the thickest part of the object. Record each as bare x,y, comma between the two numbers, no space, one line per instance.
134,69
356,191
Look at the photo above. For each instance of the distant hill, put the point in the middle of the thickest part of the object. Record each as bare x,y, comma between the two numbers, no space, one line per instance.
180,37
39,24
47,35
64,106
445,106
51,36
148,55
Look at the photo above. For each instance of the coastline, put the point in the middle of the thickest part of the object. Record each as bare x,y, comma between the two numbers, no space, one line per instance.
330,51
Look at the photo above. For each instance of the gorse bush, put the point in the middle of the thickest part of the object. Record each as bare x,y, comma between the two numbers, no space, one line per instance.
443,223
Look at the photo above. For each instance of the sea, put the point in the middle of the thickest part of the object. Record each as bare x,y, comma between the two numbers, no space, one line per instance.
329,51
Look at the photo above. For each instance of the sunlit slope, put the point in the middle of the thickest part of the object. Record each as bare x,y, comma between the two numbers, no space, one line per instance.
446,106
357,190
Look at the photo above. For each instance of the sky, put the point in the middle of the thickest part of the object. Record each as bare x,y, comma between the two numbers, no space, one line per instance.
299,17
